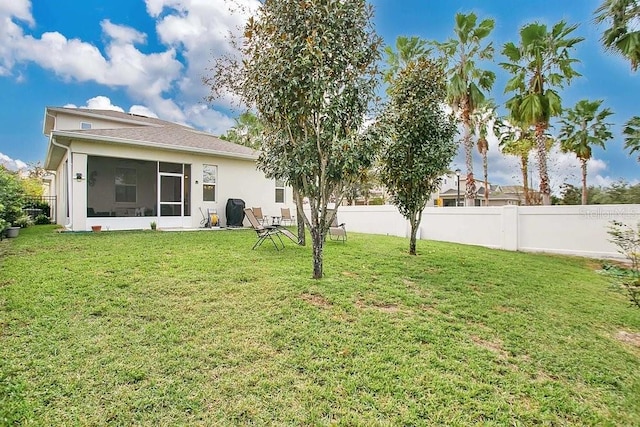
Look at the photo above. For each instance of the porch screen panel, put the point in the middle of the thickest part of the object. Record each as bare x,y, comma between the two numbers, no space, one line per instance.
121,187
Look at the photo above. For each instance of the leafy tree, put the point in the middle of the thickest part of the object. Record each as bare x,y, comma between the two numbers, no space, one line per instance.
623,35
539,64
632,135
583,127
408,49
11,196
466,81
247,131
419,139
570,194
480,119
309,70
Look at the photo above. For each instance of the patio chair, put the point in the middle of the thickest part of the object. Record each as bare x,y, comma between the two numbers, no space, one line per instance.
337,231
257,212
285,216
264,232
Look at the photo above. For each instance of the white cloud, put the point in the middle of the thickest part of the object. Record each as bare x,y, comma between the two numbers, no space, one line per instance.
12,164
102,103
122,34
166,83
141,110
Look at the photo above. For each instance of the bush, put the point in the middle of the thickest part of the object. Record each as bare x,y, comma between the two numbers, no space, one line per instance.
42,219
11,196
376,201
627,239
23,221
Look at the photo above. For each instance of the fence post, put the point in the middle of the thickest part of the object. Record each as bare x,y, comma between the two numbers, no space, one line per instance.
510,228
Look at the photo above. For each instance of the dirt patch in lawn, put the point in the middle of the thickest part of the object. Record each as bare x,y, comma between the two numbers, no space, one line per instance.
383,307
632,338
493,346
316,300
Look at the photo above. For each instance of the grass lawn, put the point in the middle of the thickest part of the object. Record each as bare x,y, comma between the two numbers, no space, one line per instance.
195,328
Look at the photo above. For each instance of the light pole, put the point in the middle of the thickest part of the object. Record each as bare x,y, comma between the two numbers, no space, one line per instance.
458,180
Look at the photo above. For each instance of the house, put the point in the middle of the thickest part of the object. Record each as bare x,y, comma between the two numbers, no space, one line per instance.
123,171
499,195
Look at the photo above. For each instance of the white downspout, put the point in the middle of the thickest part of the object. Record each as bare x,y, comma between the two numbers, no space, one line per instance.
69,177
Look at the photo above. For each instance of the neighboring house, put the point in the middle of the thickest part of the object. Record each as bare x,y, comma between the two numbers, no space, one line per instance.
499,195
123,171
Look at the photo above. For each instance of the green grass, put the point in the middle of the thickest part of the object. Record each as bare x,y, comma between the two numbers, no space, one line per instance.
152,328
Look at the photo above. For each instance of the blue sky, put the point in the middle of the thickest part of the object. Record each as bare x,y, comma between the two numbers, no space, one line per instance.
149,57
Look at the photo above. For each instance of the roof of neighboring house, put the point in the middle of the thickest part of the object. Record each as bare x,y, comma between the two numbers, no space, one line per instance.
113,115
144,131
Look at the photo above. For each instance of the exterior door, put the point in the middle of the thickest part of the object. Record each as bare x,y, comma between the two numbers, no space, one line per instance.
170,200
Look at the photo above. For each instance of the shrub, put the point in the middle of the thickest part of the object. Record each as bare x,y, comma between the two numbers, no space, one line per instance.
42,219
627,239
11,196
23,221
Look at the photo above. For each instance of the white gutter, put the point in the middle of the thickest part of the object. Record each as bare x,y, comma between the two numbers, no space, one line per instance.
69,174
90,137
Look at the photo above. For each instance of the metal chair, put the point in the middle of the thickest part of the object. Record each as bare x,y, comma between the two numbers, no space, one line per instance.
285,216
337,231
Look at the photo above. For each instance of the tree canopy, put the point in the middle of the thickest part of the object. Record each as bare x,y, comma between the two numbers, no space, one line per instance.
309,69
419,139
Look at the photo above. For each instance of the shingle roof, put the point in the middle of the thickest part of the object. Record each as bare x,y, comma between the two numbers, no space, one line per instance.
152,131
172,136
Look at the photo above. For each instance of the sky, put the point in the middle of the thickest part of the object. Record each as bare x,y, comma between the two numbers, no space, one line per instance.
149,56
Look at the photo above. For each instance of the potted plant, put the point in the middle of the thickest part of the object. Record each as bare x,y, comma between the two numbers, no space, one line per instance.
96,228
153,225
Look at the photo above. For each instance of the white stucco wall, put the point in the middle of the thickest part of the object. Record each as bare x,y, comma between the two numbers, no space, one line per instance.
73,122
237,179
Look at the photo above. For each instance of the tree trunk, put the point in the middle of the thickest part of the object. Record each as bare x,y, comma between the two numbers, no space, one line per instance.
415,222
524,167
485,167
584,181
470,191
317,238
541,146
302,238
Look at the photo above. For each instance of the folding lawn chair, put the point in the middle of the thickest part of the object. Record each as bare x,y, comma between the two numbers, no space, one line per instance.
257,212
285,216
263,231
337,231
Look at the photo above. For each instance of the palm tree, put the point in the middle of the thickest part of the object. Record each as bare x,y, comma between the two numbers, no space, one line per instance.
517,141
408,49
480,119
632,135
583,127
466,81
539,64
621,15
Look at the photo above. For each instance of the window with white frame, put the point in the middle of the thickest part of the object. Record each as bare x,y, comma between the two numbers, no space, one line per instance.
126,184
209,180
279,191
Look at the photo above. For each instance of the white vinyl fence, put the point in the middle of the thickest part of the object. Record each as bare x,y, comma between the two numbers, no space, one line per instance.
571,230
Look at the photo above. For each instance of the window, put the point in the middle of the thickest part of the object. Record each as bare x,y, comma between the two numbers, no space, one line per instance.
85,125
209,178
279,191
126,185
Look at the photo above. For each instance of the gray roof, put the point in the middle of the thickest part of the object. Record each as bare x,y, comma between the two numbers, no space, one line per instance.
150,131
177,137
